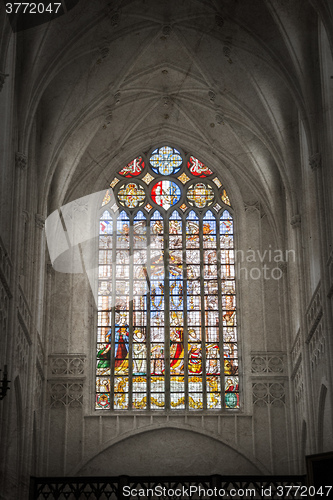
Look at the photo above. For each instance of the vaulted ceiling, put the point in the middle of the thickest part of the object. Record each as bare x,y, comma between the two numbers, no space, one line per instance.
229,80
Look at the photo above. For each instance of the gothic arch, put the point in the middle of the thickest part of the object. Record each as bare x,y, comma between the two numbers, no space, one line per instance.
185,436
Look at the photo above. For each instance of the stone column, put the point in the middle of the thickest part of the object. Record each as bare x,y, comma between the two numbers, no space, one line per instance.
316,164
296,224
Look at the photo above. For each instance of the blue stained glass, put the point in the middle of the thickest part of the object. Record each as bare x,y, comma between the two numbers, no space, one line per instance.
226,215
140,215
226,226
209,215
106,215
105,227
175,272
176,287
192,215
157,304
123,216
176,302
175,216
157,216
165,160
157,287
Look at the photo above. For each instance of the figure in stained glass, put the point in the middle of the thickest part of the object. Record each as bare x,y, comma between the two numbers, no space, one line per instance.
194,361
157,359
121,349
104,358
176,351
139,353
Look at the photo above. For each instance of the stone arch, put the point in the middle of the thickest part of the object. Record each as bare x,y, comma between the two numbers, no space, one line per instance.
138,452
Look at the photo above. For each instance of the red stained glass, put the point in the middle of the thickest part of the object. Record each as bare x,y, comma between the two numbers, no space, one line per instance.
133,168
197,168
165,194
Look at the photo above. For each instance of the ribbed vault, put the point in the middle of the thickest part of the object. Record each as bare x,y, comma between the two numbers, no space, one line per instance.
225,77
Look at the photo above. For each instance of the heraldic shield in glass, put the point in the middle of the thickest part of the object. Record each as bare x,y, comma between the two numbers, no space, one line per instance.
167,322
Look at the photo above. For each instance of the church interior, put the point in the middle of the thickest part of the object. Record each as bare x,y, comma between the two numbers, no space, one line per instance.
242,89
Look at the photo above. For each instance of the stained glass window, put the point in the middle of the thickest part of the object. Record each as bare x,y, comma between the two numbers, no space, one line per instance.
167,328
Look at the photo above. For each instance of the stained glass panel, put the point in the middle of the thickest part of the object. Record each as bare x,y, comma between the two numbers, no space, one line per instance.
106,198
197,168
114,182
165,194
166,160
131,195
133,168
225,197
183,178
200,195
148,178
217,181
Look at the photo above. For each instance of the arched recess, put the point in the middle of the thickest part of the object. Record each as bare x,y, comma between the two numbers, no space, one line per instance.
19,421
324,421
169,450
34,450
15,445
303,446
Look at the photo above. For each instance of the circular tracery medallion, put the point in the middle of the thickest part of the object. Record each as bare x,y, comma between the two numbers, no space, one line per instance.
165,160
200,195
165,194
131,195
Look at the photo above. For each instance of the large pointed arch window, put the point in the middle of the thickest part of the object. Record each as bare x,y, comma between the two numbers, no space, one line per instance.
167,328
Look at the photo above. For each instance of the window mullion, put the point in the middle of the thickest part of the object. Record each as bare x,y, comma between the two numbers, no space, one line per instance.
166,313
185,326
130,340
203,322
113,309
220,341
148,313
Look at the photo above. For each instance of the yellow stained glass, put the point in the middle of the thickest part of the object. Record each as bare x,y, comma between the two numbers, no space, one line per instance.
183,178
148,178
200,195
225,197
